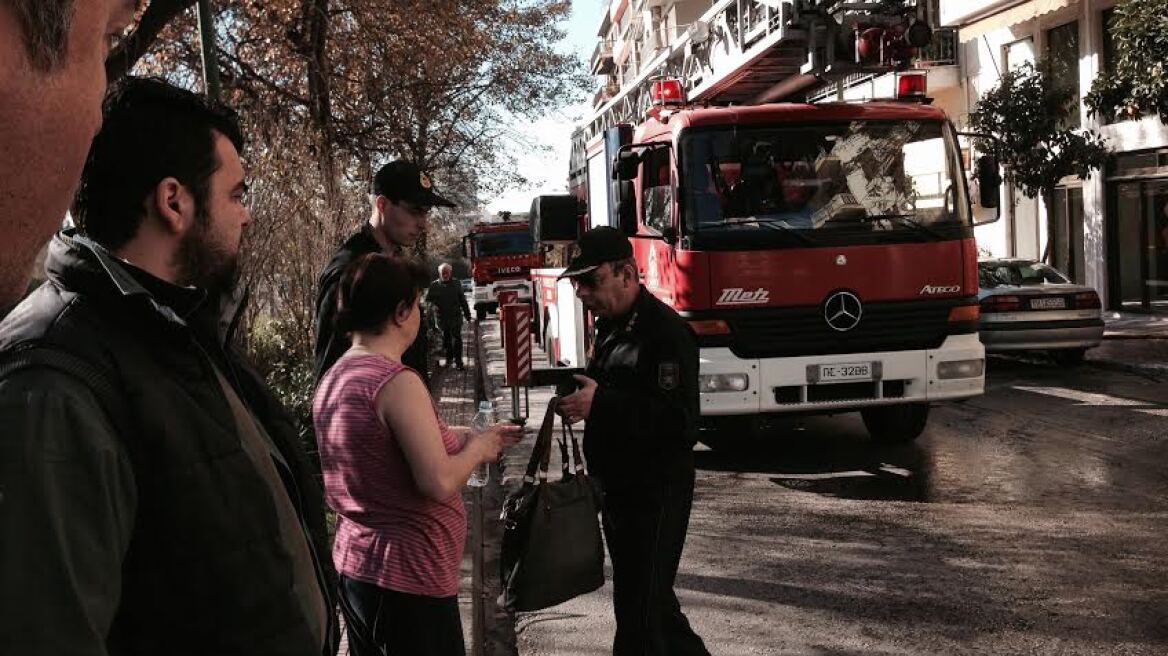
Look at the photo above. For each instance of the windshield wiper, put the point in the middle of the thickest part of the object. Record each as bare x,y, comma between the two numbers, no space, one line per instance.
907,220
773,224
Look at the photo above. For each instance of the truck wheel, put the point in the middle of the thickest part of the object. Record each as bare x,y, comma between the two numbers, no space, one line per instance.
896,424
480,312
1068,357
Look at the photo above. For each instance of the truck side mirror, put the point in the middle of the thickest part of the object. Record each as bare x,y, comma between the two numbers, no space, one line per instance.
624,167
466,247
626,207
989,181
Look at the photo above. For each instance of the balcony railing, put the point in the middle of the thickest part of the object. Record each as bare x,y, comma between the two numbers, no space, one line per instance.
602,63
942,51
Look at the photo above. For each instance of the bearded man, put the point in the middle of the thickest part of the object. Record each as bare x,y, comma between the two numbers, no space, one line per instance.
155,496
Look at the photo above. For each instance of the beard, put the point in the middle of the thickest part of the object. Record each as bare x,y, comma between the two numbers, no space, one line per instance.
205,263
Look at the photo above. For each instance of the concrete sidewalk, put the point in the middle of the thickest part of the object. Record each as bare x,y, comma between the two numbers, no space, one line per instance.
1135,343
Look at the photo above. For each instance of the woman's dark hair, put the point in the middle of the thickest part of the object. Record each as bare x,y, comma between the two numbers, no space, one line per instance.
373,287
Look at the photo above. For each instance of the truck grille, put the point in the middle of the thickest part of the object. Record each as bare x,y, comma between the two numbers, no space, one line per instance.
895,326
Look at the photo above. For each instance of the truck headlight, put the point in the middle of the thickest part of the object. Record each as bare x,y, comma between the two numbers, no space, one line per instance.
960,369
723,383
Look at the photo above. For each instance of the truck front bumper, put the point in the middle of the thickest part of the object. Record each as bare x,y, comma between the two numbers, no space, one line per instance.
955,370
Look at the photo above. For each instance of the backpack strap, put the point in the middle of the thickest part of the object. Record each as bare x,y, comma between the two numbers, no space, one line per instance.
95,378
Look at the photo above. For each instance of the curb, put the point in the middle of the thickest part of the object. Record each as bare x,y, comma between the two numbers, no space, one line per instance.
1122,336
493,633
1156,373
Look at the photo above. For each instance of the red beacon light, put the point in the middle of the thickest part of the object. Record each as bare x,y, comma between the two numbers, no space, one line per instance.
667,91
911,86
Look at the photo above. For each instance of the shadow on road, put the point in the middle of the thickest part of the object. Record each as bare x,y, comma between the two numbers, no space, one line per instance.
831,456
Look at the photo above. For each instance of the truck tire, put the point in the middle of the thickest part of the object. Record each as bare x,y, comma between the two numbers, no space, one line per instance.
896,424
480,312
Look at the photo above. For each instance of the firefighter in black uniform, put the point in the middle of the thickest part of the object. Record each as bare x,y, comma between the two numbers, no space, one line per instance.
640,399
402,196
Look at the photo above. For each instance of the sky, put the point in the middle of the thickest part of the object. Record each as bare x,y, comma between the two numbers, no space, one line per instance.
548,171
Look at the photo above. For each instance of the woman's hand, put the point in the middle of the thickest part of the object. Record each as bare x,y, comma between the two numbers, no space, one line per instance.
490,443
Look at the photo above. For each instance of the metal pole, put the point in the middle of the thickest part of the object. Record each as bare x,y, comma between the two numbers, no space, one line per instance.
515,401
209,51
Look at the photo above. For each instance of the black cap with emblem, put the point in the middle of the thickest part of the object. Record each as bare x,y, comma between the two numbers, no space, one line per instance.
402,181
595,247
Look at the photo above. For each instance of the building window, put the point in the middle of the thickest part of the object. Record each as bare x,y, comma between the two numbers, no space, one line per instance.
1018,53
1062,54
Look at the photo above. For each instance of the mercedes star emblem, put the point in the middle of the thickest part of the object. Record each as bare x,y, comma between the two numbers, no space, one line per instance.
841,260
842,311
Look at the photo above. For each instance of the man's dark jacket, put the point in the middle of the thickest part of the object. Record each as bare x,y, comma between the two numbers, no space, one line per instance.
450,301
330,345
144,529
643,423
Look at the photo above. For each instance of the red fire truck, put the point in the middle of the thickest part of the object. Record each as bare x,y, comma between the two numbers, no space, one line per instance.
822,253
502,255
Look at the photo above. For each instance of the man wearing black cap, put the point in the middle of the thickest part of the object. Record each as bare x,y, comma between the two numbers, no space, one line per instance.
640,398
402,197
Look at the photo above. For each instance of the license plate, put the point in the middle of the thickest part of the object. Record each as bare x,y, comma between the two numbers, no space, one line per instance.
1055,303
836,372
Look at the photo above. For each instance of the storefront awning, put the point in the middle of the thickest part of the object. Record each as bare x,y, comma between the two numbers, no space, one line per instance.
1013,16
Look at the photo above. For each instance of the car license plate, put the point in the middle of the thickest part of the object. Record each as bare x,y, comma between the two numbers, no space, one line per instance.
1055,303
836,372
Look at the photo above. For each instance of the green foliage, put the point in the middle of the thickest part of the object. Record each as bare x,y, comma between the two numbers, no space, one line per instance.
287,370
1025,113
1136,80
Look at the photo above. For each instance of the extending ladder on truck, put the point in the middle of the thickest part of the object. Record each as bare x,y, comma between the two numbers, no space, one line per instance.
746,52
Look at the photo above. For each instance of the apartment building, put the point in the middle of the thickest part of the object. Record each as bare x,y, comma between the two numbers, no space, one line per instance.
1111,230
631,33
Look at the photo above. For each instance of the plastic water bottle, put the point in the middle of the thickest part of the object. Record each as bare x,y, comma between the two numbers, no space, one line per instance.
483,420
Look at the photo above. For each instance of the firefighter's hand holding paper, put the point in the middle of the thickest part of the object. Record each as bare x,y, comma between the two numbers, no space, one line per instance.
578,404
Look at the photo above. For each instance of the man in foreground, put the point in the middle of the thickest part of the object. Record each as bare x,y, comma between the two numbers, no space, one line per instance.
52,79
156,499
640,398
402,197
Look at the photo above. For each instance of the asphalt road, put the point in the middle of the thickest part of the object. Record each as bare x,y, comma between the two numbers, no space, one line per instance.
1033,520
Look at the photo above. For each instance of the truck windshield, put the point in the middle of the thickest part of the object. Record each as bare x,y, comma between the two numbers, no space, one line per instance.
867,176
488,244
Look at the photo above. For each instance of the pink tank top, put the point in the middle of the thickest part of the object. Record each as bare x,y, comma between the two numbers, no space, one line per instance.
388,533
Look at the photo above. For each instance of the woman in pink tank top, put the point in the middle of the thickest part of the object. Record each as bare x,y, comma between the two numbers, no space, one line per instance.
394,471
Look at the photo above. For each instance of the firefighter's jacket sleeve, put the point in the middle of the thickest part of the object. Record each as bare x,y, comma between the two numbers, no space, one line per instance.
67,506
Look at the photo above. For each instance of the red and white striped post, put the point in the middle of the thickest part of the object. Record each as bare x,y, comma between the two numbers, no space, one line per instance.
506,297
516,319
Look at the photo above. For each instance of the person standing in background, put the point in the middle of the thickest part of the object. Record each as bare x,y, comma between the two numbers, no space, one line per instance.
447,298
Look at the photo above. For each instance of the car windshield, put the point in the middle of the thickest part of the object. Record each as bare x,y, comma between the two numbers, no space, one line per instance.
1018,274
873,176
502,243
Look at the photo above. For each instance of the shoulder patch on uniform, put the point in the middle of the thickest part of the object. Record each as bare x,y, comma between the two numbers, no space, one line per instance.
668,374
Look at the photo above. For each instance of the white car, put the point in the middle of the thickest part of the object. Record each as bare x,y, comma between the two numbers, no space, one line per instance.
1029,306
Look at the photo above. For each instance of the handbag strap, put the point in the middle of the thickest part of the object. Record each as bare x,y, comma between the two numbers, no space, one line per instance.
565,459
579,468
537,465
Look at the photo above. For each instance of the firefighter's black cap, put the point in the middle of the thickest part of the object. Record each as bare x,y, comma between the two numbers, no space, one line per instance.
402,181
595,247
